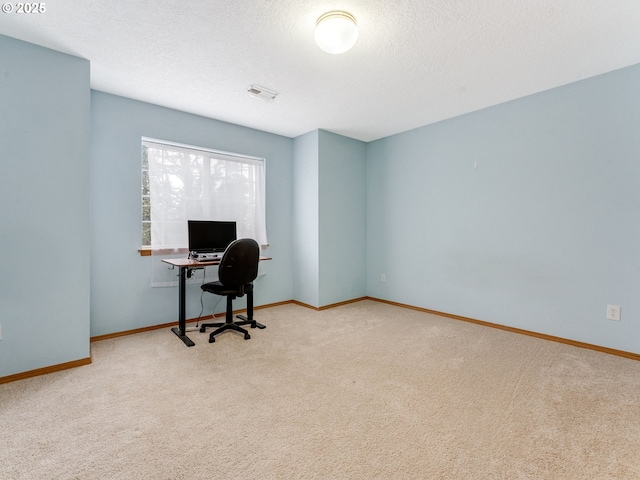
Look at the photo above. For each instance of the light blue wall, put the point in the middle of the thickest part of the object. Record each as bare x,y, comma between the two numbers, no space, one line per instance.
44,207
329,183
121,296
306,246
342,218
541,236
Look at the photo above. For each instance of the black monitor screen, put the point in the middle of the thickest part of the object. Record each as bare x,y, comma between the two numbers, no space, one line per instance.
206,236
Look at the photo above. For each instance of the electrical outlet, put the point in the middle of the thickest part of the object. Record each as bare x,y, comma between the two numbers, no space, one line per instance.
613,312
383,277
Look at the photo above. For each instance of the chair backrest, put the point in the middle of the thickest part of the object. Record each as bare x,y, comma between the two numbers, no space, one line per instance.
239,264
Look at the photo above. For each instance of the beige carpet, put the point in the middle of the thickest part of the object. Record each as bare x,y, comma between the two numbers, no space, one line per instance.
362,391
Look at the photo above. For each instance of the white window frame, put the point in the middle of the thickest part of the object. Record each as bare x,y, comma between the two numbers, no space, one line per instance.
240,177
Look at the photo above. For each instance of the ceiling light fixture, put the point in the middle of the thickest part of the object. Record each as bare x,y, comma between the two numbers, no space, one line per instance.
336,31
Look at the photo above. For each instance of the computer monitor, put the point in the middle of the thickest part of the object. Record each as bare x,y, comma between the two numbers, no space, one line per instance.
210,236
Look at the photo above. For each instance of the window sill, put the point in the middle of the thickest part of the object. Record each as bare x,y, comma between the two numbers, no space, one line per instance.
147,252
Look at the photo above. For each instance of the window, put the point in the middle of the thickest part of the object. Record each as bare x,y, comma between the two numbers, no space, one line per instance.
181,183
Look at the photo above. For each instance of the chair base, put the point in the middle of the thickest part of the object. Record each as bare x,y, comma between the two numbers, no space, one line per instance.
229,324
235,326
253,323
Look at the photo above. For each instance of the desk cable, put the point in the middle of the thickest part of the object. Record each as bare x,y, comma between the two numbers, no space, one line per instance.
197,327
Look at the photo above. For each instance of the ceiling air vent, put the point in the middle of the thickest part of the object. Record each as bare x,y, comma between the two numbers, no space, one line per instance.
263,93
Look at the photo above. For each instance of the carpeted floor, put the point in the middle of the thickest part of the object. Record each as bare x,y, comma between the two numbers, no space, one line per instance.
361,391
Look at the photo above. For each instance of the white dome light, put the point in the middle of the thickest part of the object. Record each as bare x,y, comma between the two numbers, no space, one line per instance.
336,32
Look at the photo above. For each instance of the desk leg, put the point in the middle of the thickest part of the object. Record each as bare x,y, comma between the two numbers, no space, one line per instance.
249,317
181,329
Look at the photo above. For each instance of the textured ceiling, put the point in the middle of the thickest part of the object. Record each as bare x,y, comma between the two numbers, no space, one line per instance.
416,61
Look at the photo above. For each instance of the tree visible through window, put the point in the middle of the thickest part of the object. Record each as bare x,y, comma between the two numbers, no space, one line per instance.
181,183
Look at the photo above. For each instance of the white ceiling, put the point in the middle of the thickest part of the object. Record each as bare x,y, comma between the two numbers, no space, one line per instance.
416,61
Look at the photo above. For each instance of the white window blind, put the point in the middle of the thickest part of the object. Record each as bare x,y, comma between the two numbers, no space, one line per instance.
181,183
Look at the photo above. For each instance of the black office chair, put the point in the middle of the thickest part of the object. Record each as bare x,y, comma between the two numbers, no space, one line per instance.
236,272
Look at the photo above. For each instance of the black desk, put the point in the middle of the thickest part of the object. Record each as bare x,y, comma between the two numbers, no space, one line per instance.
184,265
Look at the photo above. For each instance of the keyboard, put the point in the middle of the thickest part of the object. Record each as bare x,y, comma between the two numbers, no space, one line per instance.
208,260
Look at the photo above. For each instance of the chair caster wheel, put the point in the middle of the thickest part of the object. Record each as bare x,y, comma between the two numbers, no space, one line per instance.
212,339
247,336
202,329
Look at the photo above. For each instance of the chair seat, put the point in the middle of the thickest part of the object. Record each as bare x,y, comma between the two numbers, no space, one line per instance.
219,289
